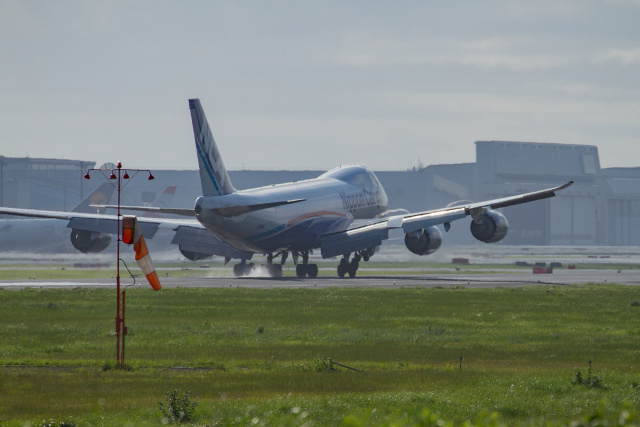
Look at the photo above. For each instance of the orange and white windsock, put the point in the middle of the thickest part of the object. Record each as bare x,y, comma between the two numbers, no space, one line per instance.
131,234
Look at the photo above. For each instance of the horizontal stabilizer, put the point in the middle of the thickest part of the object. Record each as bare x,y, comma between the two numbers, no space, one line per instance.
169,211
229,211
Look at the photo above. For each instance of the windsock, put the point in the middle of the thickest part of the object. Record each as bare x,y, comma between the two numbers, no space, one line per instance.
131,234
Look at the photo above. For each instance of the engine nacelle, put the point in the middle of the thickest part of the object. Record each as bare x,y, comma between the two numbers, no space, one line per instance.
89,242
423,242
491,227
193,256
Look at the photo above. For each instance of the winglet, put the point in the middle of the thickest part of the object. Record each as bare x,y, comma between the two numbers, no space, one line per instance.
213,174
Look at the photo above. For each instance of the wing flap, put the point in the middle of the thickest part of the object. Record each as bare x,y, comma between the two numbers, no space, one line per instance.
201,240
354,240
427,219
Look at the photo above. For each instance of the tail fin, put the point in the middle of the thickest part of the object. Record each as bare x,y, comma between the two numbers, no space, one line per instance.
213,175
100,196
164,200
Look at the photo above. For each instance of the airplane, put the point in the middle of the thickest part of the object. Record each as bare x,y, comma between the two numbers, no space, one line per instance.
44,235
342,213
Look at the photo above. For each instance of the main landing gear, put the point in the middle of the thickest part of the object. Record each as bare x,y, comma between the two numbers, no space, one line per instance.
273,270
348,265
305,269
243,269
351,267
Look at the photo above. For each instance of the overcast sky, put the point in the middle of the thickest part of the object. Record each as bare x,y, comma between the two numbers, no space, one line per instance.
315,84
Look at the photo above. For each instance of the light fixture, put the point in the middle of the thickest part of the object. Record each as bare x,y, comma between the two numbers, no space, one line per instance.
150,176
87,176
126,175
112,176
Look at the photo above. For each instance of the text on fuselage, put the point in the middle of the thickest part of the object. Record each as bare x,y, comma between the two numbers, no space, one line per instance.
361,199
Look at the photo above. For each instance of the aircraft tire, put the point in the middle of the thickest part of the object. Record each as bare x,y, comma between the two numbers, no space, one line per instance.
301,270
352,268
238,270
342,270
312,270
275,270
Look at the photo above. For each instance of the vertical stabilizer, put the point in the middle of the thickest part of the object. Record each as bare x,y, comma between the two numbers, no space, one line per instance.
213,175
100,196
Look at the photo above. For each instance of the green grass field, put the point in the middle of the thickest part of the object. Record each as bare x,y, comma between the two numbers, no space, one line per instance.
256,356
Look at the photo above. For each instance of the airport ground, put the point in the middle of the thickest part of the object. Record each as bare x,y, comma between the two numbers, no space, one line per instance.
256,351
480,267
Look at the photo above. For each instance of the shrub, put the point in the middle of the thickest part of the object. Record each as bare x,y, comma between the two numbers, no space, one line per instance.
178,408
52,423
591,381
319,364
322,364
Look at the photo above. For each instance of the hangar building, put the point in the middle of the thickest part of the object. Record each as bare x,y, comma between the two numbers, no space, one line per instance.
601,208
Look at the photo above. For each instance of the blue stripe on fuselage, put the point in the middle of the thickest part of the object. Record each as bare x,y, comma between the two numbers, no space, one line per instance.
208,167
307,230
266,233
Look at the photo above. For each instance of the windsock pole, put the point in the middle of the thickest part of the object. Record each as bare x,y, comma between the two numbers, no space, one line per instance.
121,329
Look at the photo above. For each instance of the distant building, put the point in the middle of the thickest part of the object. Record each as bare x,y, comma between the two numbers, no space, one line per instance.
26,182
601,208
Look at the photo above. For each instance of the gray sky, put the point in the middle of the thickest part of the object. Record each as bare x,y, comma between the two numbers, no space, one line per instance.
315,84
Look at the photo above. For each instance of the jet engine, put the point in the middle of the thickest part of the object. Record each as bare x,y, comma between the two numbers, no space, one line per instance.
193,256
491,227
89,241
423,242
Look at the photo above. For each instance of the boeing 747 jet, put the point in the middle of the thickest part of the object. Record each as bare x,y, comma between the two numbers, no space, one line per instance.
342,213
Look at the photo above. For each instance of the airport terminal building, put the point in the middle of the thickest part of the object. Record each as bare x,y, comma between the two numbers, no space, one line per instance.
601,208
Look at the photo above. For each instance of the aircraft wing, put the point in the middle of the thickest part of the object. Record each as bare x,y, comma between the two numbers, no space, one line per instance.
190,235
33,213
91,222
363,236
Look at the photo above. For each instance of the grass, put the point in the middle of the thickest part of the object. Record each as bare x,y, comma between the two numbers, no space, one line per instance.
256,354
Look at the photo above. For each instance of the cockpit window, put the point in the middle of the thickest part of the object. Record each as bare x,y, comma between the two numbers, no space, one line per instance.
356,175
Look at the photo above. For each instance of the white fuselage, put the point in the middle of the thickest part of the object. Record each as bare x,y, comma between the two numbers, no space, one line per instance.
327,204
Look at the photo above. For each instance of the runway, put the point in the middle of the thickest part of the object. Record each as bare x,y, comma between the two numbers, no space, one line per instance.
485,280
